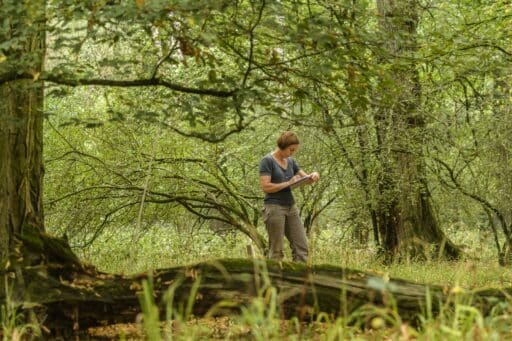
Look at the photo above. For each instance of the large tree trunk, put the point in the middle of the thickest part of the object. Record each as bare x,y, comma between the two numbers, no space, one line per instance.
68,297
21,123
407,223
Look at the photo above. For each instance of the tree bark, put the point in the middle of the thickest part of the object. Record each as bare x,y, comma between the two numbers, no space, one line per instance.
407,223
21,124
68,297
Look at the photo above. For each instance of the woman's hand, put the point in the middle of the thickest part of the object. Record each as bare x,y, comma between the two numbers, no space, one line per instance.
315,176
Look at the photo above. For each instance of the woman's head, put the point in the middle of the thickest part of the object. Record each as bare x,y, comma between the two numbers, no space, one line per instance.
288,140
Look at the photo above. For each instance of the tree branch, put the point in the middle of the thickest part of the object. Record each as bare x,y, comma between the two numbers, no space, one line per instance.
48,77
251,44
485,203
209,137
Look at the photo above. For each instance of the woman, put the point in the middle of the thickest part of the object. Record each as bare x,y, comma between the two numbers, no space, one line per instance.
278,171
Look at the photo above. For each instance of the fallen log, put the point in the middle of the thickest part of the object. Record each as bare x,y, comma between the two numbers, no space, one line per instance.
67,296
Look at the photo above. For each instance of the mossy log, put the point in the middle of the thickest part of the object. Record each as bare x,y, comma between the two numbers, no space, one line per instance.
67,296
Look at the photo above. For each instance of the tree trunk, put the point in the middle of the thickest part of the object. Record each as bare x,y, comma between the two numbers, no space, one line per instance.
502,161
407,223
21,124
67,297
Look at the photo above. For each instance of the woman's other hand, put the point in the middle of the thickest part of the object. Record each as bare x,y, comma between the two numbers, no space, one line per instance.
315,176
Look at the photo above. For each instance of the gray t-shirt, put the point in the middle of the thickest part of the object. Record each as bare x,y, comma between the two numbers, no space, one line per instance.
269,166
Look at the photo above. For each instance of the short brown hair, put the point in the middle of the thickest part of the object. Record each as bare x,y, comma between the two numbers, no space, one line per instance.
286,139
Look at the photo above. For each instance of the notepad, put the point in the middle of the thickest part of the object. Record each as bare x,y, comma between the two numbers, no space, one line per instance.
301,182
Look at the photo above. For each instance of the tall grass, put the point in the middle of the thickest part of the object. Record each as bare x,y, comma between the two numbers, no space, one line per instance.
15,326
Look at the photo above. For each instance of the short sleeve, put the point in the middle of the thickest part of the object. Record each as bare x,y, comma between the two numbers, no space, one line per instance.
265,166
295,166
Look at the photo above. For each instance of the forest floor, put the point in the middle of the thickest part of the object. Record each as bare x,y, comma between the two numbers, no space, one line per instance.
228,328
219,328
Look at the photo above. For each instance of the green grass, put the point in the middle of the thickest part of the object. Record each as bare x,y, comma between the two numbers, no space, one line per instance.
161,248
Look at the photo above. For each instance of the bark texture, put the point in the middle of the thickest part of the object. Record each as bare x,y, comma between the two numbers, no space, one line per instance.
407,223
21,125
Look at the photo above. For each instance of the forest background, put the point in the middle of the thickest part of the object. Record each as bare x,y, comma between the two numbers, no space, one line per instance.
156,114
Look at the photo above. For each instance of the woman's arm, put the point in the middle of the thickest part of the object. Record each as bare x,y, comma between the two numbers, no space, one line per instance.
270,187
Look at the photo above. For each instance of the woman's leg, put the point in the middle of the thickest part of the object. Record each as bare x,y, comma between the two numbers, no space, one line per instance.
274,218
296,235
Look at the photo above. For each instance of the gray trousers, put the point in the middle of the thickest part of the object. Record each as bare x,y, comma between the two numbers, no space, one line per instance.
282,221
